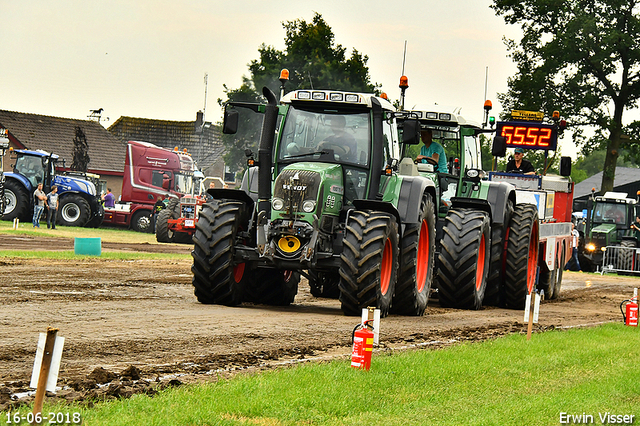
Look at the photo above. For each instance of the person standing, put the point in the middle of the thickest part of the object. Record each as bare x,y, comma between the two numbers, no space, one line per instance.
53,203
40,199
575,235
109,199
432,150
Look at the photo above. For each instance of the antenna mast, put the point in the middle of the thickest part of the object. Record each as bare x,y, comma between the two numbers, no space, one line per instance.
204,110
404,82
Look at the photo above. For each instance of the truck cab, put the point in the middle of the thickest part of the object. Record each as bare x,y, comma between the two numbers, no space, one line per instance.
151,174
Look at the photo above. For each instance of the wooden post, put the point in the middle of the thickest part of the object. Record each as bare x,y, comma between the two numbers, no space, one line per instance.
44,370
531,305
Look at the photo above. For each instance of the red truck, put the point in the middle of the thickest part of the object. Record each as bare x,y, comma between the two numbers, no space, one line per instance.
151,174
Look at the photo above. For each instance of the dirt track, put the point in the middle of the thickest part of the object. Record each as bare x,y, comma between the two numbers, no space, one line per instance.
137,326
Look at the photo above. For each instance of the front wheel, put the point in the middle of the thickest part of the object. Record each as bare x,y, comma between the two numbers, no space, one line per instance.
324,284
272,286
464,259
141,221
163,233
217,276
417,257
74,211
369,262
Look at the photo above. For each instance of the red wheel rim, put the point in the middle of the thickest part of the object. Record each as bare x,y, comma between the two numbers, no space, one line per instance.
238,272
532,264
385,267
480,265
423,256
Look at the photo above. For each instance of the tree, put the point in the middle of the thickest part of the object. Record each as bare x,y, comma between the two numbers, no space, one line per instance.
313,61
581,57
80,151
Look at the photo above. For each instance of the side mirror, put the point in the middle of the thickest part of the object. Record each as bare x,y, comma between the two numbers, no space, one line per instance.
411,132
230,123
499,147
166,181
565,166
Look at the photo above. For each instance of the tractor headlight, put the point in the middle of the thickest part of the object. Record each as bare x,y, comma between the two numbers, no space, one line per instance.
277,204
308,206
590,247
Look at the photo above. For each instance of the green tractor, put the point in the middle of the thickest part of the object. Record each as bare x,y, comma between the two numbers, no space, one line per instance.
474,218
327,198
608,223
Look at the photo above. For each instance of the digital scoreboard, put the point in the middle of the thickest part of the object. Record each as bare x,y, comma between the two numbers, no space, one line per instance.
528,135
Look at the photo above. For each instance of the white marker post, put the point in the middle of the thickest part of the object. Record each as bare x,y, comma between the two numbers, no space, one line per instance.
46,366
369,314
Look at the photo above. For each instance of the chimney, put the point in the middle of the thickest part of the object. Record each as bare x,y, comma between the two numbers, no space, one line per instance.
199,122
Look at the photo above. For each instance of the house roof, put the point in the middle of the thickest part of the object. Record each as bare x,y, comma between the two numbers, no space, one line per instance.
206,147
56,135
624,176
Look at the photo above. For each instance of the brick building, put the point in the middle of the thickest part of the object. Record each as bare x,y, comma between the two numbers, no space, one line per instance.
56,135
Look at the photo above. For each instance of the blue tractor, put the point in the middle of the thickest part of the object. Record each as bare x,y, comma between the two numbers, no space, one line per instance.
79,201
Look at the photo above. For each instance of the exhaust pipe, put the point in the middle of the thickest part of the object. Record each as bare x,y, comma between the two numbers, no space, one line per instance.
264,152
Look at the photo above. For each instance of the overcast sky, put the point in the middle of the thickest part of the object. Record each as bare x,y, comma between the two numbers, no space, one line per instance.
148,59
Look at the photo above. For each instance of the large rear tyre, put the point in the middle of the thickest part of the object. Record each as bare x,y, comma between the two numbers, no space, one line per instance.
17,201
272,287
369,266
418,247
522,256
464,259
495,279
217,276
74,211
163,233
324,284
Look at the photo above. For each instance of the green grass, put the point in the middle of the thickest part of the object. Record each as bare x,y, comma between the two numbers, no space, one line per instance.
109,234
508,381
112,235
67,254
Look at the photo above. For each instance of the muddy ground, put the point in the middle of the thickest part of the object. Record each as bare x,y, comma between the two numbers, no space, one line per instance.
135,326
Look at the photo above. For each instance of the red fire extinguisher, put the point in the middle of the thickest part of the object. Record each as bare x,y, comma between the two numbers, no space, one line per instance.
630,314
362,339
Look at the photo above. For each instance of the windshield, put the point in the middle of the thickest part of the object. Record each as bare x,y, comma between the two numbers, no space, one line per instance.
610,213
309,134
31,167
184,184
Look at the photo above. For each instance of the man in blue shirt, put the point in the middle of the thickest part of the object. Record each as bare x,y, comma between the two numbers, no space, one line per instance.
432,150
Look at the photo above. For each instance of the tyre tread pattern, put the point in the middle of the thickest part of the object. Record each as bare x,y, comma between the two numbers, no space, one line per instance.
458,259
408,300
213,263
521,231
365,237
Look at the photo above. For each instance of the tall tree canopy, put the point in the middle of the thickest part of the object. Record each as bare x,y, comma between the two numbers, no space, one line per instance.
581,57
314,61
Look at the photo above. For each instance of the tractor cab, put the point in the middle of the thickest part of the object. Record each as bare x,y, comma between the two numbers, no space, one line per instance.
35,166
333,131
459,140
